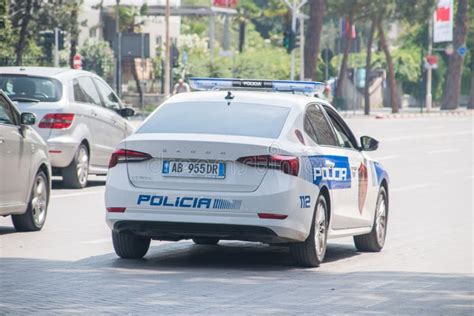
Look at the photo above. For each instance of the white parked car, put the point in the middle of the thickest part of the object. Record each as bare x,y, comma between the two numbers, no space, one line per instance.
79,116
25,171
246,165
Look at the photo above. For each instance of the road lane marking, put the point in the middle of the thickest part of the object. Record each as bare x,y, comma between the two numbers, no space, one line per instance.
399,138
414,186
76,194
445,150
97,241
387,157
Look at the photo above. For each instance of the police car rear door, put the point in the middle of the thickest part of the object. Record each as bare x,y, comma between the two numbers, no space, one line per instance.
332,167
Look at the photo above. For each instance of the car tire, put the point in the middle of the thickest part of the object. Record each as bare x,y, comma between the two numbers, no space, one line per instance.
75,175
205,241
130,246
310,253
375,240
35,216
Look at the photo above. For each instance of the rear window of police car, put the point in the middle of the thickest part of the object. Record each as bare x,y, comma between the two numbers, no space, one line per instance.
238,119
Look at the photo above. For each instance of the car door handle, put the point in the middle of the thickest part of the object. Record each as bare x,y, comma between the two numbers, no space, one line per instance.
113,121
93,113
2,140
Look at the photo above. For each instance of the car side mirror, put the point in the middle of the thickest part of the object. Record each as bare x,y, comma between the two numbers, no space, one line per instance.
27,118
126,112
368,143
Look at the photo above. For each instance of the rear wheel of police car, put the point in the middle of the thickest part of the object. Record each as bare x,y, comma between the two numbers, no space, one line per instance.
375,240
75,175
205,241
310,253
130,246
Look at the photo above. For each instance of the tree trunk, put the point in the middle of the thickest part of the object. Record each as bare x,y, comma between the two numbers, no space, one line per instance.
470,105
23,34
313,37
368,68
137,80
452,88
74,31
391,71
345,57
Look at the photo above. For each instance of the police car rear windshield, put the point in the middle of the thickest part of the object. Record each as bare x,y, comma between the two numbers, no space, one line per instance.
238,119
30,89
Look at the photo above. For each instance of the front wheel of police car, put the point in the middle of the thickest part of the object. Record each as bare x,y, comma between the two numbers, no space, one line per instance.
310,253
375,240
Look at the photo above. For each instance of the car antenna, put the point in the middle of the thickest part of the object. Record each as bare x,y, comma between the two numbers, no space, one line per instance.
229,97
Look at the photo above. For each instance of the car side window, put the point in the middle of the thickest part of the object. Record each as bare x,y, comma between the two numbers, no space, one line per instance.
85,91
342,137
6,112
322,130
111,101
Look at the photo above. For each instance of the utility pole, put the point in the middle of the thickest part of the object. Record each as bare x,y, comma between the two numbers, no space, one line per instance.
167,51
56,47
295,9
302,47
429,96
119,49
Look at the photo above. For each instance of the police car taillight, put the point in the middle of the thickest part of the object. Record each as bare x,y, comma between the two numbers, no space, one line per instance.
288,164
56,120
124,155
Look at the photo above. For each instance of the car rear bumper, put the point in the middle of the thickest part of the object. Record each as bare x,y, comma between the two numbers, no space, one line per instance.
168,220
61,153
178,231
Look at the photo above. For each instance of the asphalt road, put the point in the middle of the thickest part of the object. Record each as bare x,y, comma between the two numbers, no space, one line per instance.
426,266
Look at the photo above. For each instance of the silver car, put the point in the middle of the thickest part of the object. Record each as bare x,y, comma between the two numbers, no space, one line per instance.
79,116
25,172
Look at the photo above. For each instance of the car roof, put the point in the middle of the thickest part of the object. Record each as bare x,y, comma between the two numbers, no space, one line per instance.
51,72
257,97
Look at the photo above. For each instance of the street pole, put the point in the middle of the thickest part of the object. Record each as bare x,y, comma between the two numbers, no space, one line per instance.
56,47
429,96
302,47
167,51
211,39
119,49
142,83
295,9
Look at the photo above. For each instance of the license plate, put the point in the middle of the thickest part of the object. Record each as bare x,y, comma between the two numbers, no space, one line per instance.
193,169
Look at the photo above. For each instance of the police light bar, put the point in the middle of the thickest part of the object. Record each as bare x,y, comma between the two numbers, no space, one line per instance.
306,87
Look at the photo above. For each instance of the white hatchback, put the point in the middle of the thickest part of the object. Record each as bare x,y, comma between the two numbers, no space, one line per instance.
246,165
79,116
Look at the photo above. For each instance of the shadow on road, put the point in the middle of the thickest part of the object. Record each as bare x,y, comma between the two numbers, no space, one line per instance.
5,230
224,279
57,184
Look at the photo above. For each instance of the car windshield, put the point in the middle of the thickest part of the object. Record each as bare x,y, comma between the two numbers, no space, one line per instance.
238,119
29,88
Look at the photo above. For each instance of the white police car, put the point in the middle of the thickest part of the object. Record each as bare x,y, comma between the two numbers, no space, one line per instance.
246,165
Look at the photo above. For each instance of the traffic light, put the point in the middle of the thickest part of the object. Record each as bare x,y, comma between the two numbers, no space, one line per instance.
289,40
61,36
47,42
174,55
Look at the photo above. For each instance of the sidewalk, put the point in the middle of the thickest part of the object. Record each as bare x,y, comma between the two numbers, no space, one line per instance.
386,113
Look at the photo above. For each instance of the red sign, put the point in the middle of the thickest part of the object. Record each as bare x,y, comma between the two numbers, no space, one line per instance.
77,62
225,3
432,60
442,14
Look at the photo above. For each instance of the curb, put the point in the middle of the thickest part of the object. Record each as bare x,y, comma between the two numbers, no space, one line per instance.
412,115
